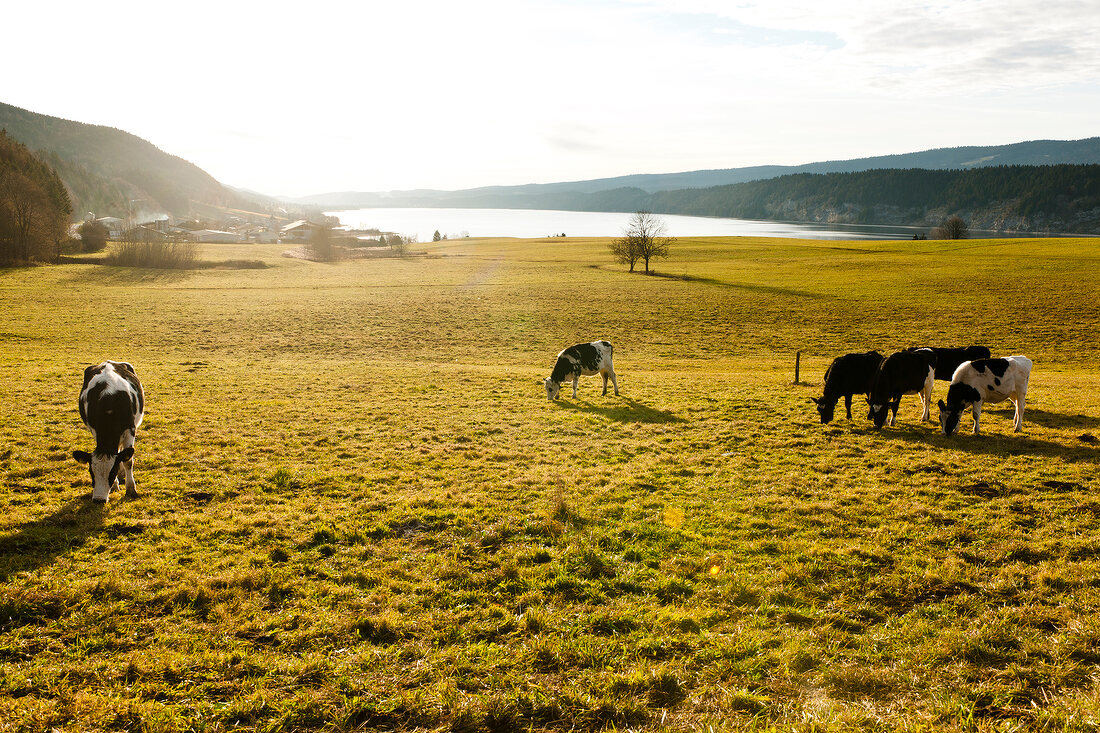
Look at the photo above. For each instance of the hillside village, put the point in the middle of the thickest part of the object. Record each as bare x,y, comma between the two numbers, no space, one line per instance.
229,228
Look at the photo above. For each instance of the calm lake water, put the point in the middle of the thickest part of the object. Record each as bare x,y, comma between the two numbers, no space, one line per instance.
529,223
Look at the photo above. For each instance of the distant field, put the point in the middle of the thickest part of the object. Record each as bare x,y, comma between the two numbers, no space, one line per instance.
358,511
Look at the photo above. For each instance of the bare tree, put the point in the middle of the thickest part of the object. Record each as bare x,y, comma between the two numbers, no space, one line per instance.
624,252
953,227
644,239
27,216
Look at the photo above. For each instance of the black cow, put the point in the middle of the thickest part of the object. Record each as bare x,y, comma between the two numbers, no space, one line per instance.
901,373
847,375
586,359
948,360
112,405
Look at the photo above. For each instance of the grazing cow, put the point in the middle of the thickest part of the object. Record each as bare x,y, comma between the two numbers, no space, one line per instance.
986,380
112,405
581,359
948,360
847,375
901,373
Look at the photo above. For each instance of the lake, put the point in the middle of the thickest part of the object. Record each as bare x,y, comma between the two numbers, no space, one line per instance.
531,223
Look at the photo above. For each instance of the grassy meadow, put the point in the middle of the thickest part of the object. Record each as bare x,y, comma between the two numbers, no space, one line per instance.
358,511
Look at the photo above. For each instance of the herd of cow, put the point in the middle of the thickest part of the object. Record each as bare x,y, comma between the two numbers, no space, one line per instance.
975,379
112,402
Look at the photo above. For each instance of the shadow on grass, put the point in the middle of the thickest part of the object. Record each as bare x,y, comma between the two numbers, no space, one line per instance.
1056,420
752,288
998,441
623,410
40,542
108,275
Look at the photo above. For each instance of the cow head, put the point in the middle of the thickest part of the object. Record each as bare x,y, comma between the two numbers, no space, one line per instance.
552,388
825,408
877,413
949,419
103,468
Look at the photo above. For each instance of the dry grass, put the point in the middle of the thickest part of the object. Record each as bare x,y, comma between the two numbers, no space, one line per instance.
359,511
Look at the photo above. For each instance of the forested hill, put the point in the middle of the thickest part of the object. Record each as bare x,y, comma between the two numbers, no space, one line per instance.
1042,198
566,195
105,169
1056,198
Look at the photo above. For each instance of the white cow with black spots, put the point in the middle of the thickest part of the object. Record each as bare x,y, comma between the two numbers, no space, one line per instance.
581,360
112,405
986,380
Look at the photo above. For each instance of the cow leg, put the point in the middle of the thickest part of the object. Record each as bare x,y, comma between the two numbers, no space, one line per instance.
926,397
977,409
604,375
1018,420
893,406
848,405
128,466
614,382
576,378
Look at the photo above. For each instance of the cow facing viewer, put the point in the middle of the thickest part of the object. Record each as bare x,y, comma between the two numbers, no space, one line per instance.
986,380
581,360
112,405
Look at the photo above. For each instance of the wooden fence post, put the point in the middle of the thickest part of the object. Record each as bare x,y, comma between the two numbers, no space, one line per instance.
797,359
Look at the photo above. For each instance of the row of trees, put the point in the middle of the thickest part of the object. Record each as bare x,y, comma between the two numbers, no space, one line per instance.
34,206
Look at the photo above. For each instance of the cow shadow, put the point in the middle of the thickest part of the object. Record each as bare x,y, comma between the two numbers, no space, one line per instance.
41,541
1056,420
622,409
995,442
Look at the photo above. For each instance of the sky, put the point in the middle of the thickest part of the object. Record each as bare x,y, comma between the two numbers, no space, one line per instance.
297,98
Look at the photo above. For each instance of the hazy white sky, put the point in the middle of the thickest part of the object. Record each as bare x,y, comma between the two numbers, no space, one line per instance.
308,97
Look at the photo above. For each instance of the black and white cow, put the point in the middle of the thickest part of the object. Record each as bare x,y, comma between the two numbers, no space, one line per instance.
578,360
112,405
847,375
986,380
948,360
901,373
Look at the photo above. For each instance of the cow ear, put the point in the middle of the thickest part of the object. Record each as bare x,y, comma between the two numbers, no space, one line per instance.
126,454
82,456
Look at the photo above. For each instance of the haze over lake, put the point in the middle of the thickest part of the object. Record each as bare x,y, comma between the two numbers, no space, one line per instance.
530,223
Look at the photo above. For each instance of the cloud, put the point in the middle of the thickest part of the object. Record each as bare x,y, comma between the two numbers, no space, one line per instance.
943,45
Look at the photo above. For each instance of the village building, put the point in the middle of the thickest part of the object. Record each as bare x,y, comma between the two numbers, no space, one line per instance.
298,231
214,235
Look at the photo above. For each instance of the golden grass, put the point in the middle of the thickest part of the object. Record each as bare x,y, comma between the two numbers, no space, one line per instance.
359,511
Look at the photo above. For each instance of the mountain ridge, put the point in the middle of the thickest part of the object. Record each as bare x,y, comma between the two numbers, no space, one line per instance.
1031,152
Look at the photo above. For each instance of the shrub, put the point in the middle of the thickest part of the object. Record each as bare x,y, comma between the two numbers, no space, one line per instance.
93,236
154,255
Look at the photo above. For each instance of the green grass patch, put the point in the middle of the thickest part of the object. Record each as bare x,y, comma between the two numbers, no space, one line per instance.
358,511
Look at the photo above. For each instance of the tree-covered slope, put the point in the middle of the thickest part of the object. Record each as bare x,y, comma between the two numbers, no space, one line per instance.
105,168
1064,198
